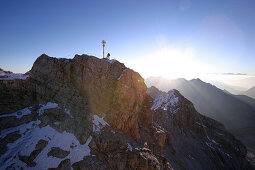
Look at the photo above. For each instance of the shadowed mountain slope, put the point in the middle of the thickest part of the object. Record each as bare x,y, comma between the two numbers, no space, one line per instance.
234,111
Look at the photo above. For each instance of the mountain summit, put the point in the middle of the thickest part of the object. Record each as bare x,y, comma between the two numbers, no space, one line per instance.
91,113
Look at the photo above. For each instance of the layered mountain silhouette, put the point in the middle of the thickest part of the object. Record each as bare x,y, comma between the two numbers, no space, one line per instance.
91,113
236,112
250,92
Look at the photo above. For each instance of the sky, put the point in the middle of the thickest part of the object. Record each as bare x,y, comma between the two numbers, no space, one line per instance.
171,38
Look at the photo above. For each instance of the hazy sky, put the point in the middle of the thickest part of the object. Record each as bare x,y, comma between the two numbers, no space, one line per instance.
170,38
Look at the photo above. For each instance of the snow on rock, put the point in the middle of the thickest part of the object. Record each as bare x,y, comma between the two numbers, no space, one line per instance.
22,128
19,113
130,148
119,77
11,155
164,101
64,141
46,106
215,142
27,142
174,111
122,74
11,76
221,134
209,144
110,61
200,124
98,124
68,113
51,105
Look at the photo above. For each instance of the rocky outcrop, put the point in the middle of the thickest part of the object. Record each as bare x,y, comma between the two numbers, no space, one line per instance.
15,94
10,138
110,88
58,153
119,151
155,92
64,165
29,160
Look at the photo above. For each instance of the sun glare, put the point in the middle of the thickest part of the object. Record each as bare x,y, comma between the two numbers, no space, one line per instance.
169,62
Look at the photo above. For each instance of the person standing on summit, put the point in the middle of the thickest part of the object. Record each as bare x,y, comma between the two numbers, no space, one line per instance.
108,56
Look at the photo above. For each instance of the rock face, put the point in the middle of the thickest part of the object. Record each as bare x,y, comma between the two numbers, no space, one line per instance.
111,88
14,95
58,153
154,92
90,113
194,136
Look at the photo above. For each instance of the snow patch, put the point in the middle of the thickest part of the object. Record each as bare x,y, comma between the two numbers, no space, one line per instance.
29,140
200,124
68,113
214,142
221,134
46,106
174,111
51,105
98,124
11,76
19,113
119,77
110,61
225,153
122,74
164,101
130,148
22,128
210,145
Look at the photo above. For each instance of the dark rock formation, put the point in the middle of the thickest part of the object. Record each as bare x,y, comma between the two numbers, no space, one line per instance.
38,149
15,94
64,165
106,85
10,138
57,152
154,92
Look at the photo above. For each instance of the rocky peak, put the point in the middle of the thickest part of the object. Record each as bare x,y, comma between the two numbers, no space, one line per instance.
173,106
154,92
112,89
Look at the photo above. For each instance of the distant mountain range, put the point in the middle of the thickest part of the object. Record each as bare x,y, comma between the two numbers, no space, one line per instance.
236,112
250,92
232,89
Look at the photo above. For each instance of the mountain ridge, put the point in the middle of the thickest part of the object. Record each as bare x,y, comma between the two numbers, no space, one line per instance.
91,113
250,92
234,111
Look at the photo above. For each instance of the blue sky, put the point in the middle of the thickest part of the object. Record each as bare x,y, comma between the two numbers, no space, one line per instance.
207,36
